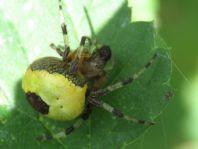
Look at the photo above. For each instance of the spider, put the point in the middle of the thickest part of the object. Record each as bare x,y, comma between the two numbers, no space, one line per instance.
69,88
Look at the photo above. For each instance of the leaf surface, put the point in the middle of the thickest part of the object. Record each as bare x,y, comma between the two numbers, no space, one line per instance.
133,44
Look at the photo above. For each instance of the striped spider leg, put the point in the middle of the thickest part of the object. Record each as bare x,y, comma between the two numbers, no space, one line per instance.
64,31
67,131
117,113
66,48
101,92
124,82
76,60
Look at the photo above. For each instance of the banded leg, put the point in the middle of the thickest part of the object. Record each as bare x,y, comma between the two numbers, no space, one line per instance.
61,134
124,82
57,48
68,130
117,113
73,67
64,31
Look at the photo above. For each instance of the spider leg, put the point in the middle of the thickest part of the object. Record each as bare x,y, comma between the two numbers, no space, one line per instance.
64,31
75,62
117,113
124,82
57,48
61,134
70,129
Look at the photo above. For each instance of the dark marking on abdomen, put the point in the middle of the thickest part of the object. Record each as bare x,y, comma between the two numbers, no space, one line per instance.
37,103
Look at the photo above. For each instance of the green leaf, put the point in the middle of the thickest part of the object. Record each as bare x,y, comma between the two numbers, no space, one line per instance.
133,44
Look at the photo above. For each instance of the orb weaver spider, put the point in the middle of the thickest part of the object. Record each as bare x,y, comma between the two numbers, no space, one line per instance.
69,88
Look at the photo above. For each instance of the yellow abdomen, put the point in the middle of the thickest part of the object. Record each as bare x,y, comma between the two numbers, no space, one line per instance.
66,100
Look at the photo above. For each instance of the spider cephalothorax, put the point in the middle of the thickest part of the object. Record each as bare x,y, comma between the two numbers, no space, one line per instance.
94,65
68,88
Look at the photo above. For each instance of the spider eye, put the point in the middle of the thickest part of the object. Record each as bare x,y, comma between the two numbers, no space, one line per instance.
105,52
37,103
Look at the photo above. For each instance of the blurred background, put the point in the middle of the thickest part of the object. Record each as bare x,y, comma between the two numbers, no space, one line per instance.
177,127
177,22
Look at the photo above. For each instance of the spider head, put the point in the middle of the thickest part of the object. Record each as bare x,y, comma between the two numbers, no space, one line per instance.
94,65
104,53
